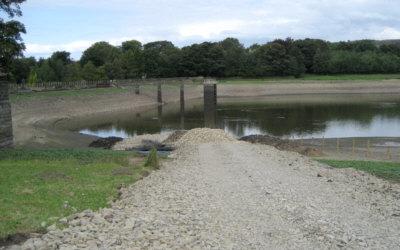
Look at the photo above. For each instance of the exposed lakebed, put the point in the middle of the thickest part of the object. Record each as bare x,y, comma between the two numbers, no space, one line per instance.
327,116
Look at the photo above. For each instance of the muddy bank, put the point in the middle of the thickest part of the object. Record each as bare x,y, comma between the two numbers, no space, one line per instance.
37,121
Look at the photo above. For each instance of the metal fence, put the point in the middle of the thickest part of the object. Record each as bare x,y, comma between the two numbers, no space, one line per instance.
362,148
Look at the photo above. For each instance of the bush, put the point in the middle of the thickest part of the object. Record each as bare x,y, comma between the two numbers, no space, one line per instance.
152,159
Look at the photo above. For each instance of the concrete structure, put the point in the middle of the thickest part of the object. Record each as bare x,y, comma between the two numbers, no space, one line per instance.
6,132
210,103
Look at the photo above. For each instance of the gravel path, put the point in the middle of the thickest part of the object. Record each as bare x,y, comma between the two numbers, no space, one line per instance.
236,195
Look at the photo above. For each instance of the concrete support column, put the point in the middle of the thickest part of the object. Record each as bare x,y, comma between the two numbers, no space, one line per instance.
159,94
182,92
137,89
210,105
6,132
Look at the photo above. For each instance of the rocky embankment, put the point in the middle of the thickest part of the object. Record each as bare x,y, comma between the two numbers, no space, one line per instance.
221,193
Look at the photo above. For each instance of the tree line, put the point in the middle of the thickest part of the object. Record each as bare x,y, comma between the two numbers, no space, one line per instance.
227,58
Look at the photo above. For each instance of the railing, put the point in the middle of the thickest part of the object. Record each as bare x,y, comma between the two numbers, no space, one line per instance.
53,86
366,148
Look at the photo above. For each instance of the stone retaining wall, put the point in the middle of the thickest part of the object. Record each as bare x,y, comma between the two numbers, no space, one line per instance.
6,133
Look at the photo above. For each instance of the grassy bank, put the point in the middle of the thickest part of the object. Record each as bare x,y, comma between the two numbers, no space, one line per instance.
36,185
385,170
308,77
64,93
16,97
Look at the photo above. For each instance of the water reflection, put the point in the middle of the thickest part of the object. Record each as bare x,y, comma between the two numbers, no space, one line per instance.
299,119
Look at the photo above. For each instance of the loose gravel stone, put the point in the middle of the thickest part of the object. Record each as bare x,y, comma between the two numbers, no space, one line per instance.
136,141
236,195
203,135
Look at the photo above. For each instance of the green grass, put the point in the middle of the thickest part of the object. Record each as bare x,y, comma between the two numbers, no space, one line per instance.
35,184
385,170
18,97
307,77
351,77
64,93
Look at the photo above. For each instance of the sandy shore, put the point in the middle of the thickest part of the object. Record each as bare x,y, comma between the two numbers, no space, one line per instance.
35,120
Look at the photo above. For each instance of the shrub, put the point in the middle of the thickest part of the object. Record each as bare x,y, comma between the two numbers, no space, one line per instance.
152,159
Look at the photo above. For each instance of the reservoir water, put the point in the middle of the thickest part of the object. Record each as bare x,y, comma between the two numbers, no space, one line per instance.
290,116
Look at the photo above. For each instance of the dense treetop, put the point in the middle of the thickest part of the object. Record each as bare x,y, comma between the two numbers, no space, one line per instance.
227,58
11,44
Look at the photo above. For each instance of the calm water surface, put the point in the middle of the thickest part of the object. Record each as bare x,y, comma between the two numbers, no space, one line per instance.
350,116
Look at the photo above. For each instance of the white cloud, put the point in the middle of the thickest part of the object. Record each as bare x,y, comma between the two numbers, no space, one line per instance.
388,33
75,46
184,22
208,30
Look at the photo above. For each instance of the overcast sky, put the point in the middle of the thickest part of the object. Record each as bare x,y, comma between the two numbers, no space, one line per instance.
73,25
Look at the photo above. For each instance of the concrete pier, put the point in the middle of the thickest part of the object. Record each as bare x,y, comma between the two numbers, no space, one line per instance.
210,104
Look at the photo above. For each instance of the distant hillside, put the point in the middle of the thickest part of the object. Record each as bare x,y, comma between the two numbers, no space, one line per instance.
387,42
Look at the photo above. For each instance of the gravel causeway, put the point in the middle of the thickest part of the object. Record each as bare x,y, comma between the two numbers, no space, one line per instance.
237,195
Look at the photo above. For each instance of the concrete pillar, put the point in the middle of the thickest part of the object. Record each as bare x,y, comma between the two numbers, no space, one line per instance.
182,96
159,94
182,106
159,111
6,132
137,89
210,105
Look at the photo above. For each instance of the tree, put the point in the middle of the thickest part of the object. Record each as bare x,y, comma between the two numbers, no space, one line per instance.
130,63
287,43
46,72
233,52
165,56
272,60
99,54
21,68
159,46
32,79
132,45
321,62
73,72
91,73
309,47
205,59
11,44
296,62
58,62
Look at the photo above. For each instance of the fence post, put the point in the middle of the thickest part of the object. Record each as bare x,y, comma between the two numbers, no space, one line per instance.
368,147
388,153
337,145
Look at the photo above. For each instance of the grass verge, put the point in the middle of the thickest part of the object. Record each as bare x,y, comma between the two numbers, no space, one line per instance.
309,77
63,93
36,185
385,170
